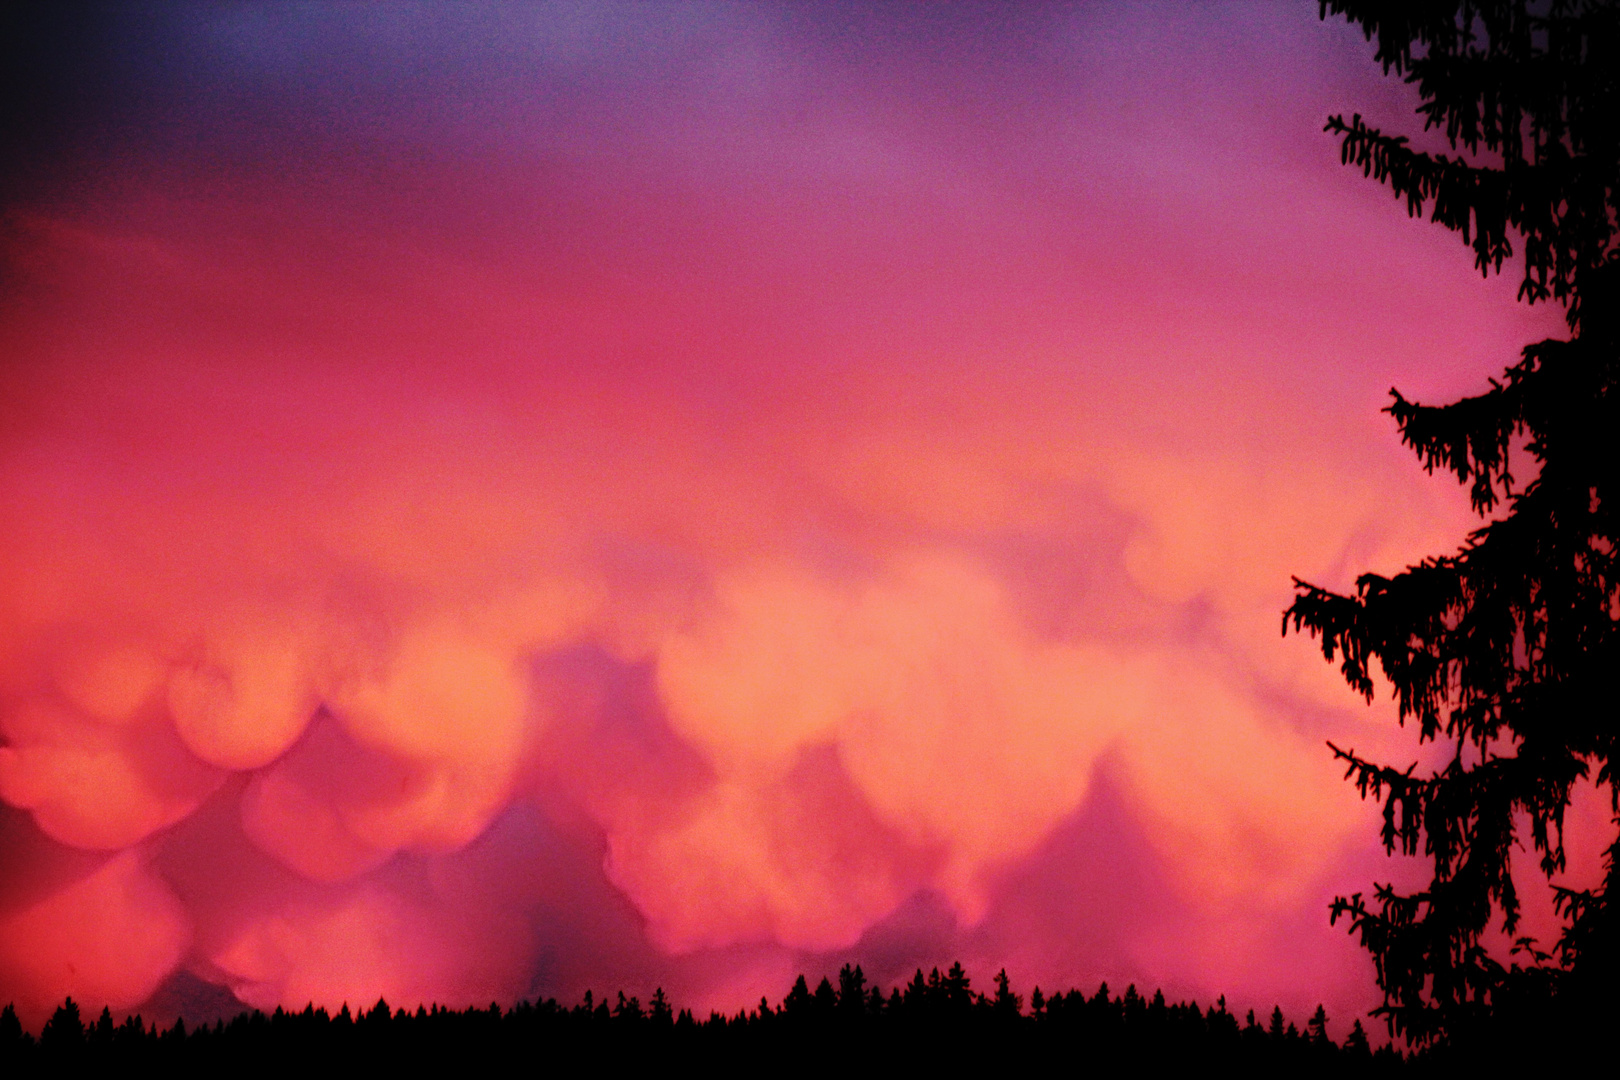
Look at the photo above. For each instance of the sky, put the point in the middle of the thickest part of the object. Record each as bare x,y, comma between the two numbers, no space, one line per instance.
506,500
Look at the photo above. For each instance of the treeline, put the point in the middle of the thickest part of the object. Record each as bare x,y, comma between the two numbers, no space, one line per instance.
937,1019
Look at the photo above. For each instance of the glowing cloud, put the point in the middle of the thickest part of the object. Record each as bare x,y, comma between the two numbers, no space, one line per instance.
543,498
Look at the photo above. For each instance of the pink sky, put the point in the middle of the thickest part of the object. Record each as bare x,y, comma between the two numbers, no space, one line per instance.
553,497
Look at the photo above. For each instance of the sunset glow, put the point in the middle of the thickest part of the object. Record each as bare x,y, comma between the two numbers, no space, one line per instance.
501,501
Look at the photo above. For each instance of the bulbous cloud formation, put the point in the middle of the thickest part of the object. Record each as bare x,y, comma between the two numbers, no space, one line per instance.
537,498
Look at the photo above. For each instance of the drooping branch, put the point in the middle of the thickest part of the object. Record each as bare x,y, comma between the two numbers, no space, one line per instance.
1550,205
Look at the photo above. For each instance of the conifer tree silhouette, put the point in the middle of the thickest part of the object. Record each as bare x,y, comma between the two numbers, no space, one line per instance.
1356,1043
100,1034
64,1031
11,1032
658,1010
852,998
958,988
1506,651
798,999
1006,1002
1316,1027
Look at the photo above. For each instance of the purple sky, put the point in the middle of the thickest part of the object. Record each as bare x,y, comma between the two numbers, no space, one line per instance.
507,500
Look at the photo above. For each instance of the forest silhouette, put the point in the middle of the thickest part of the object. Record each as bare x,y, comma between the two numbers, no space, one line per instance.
936,1020
1504,651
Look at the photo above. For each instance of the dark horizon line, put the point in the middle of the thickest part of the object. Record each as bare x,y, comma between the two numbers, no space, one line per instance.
947,995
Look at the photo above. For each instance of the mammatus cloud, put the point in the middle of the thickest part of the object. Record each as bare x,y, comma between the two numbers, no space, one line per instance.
109,938
621,547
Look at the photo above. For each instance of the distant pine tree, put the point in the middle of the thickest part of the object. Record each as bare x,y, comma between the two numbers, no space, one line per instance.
1006,1002
1316,1026
628,1009
826,998
11,1032
852,999
101,1033
1356,1044
958,987
65,1029
658,1010
797,1001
